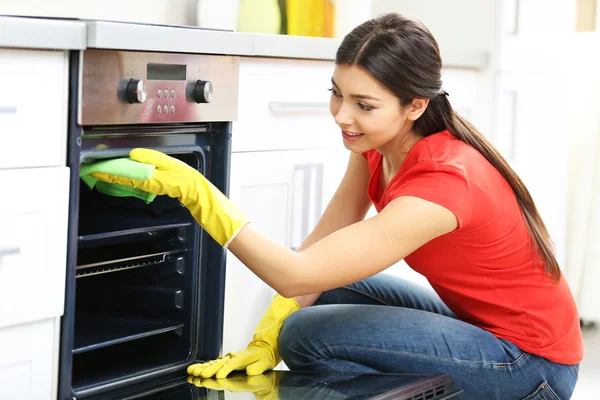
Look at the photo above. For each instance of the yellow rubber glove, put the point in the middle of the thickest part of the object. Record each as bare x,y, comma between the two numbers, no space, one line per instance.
209,207
262,353
264,387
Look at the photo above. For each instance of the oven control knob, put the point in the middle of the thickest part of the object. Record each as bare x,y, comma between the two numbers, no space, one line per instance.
136,91
203,91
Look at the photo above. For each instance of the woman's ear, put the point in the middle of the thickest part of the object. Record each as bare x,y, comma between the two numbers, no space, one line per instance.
416,109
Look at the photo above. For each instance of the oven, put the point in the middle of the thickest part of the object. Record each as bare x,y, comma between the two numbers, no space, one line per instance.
145,284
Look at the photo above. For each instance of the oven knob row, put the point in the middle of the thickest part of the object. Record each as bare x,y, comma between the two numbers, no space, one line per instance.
136,91
201,91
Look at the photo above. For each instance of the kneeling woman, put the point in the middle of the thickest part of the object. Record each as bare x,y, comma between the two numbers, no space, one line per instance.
502,321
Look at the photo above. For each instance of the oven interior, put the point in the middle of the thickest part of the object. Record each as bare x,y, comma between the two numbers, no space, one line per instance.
137,278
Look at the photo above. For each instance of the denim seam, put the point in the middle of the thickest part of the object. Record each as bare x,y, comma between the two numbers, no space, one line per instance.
575,371
543,389
319,360
551,391
519,359
329,366
366,294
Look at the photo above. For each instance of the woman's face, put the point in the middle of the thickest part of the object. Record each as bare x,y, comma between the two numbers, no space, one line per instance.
369,115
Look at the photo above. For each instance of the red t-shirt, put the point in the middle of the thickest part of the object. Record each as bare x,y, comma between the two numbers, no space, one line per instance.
486,271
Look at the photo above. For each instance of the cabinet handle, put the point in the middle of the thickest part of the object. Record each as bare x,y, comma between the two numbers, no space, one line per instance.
8,110
9,251
514,27
297,106
308,195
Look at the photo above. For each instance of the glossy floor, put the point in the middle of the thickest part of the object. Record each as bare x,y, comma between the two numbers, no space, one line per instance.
588,386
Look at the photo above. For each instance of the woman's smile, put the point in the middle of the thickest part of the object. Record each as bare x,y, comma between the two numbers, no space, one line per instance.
351,136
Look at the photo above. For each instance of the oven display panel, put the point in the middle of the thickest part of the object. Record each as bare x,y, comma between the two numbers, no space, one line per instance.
166,72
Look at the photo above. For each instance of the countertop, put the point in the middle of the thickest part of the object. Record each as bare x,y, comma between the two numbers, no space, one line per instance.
42,33
81,34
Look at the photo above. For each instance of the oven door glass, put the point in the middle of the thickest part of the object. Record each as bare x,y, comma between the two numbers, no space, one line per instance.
137,280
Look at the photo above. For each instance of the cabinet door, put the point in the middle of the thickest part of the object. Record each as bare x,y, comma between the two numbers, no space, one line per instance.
529,32
29,362
284,193
531,134
33,243
284,105
33,108
542,16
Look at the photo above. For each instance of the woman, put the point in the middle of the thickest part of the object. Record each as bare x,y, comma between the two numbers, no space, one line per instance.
503,323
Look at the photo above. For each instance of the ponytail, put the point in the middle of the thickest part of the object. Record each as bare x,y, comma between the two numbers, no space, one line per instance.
441,116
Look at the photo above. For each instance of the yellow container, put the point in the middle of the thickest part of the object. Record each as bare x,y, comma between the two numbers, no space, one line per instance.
310,17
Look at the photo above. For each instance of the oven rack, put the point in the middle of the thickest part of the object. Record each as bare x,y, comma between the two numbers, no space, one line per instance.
111,230
94,332
123,264
114,230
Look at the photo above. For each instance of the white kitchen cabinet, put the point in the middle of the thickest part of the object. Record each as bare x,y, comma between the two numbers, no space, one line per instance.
33,108
33,244
33,219
284,104
542,16
29,359
529,32
284,193
531,128
288,159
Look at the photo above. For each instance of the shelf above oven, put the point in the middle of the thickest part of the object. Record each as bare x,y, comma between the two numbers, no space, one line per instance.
93,333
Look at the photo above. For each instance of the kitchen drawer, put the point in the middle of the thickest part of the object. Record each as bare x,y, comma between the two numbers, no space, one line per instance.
28,365
284,104
33,243
33,108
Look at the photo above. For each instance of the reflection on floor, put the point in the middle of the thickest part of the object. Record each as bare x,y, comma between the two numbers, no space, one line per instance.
588,385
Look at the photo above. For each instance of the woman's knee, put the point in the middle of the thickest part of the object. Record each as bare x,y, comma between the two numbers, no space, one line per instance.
301,326
289,326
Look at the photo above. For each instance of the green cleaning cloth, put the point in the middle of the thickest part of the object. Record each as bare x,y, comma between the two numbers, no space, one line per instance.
119,166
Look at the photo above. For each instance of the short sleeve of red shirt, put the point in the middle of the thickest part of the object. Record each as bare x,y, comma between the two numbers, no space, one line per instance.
438,183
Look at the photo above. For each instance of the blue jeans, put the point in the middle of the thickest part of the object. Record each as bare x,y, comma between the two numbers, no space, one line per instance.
386,324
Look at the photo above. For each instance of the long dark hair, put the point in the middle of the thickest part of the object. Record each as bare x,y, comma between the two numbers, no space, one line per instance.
404,56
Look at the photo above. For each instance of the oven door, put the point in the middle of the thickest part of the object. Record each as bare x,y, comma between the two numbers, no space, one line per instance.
145,294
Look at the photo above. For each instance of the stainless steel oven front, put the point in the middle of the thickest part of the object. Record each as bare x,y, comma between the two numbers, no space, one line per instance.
145,284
